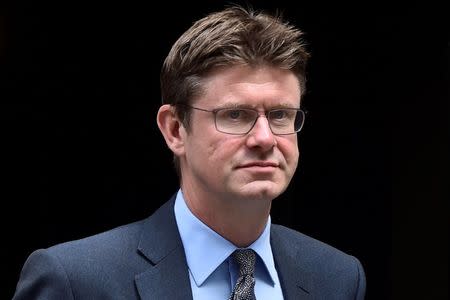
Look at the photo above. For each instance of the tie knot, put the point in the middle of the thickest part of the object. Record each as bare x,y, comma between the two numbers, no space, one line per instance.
245,258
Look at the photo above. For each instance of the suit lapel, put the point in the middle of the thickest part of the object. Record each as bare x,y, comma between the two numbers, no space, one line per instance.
161,244
295,280
166,280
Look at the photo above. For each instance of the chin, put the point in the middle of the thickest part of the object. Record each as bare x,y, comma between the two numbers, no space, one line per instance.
261,190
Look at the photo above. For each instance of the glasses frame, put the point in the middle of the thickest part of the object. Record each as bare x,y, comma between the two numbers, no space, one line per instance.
266,114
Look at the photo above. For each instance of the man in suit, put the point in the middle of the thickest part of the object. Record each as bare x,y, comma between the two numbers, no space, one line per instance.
231,88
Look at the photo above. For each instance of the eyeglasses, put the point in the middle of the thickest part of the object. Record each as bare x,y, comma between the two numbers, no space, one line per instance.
240,121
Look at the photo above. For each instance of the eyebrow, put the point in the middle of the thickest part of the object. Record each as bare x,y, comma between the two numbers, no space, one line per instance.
234,105
248,106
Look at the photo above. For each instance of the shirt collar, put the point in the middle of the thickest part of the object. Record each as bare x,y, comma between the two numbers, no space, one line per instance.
262,247
205,249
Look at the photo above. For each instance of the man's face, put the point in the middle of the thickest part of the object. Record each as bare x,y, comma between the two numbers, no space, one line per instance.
258,165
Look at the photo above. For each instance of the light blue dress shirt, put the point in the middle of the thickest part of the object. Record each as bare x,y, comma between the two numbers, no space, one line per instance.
211,272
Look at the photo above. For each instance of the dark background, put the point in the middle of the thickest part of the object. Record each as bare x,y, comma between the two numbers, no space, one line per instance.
82,152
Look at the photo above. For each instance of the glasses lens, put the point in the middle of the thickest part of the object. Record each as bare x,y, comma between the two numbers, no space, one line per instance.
286,121
235,120
299,120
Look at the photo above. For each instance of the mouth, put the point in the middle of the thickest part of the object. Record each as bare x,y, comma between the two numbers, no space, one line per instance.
259,165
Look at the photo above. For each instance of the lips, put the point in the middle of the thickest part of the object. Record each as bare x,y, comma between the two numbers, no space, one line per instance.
261,164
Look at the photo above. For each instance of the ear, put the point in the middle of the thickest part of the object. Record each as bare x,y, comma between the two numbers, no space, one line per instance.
171,128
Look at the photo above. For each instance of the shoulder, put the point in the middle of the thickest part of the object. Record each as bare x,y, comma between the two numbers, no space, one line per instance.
325,265
98,254
96,267
72,269
117,244
114,241
296,242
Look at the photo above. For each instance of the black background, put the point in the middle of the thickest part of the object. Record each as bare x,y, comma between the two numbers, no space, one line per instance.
82,152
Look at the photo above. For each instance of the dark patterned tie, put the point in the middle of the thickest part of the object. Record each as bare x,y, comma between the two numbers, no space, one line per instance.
245,284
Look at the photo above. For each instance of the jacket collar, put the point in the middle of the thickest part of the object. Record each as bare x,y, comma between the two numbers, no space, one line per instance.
295,280
161,245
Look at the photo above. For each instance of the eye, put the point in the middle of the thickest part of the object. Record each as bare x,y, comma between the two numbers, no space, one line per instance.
279,114
241,115
234,114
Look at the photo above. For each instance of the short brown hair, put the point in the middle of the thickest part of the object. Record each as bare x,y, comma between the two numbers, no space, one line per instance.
233,36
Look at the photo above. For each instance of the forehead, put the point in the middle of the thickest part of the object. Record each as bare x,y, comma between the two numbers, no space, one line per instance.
262,86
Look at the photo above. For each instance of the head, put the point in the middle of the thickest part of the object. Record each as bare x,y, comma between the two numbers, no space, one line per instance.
234,36
233,39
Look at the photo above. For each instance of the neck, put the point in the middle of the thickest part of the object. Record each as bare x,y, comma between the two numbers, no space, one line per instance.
240,221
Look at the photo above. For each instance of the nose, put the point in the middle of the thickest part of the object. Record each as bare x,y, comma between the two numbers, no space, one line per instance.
261,135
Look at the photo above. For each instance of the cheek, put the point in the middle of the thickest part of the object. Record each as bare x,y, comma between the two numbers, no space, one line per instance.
289,149
221,151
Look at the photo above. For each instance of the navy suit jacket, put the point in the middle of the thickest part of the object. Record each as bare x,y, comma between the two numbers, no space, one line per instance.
146,260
